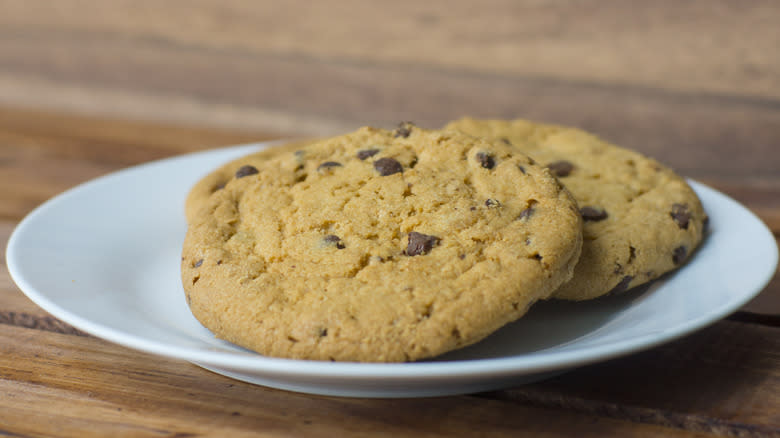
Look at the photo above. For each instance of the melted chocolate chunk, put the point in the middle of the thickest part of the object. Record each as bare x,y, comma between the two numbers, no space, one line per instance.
679,254
561,168
593,214
197,264
492,203
681,215
485,160
404,129
299,158
328,165
246,170
525,214
332,239
420,244
622,286
367,153
388,166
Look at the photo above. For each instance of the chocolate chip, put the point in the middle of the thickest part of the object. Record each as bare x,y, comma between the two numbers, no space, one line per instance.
679,254
506,140
594,214
561,168
485,160
521,168
529,211
299,158
622,286
367,153
388,166
525,214
420,244
328,165
246,170
323,332
681,215
197,264
332,239
218,187
492,203
404,129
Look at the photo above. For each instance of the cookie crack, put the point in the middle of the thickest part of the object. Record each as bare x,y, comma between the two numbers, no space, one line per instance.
362,263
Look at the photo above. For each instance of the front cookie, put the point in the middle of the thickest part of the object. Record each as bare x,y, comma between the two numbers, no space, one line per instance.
379,246
641,219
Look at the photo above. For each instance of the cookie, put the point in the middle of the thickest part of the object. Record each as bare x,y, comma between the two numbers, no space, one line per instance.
217,179
378,246
641,219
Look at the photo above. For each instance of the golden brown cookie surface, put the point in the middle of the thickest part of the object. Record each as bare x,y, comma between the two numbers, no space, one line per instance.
379,246
217,178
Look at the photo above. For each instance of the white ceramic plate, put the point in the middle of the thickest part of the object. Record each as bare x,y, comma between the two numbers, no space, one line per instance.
104,257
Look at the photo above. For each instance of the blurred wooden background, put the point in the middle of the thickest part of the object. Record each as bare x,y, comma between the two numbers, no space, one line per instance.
695,84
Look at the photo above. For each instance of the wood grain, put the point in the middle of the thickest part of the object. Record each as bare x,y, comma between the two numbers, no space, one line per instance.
91,388
683,83
689,383
660,44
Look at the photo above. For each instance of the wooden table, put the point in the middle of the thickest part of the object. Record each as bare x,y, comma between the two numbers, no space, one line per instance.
87,88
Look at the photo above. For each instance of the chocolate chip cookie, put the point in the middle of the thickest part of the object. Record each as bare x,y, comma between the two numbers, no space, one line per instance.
378,245
641,219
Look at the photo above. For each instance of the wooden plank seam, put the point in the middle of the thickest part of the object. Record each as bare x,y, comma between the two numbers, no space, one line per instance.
46,323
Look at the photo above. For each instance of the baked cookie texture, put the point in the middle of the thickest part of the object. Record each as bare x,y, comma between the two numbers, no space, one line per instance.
217,179
378,246
641,219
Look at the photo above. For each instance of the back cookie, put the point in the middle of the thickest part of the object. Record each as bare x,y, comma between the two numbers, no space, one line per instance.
641,219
